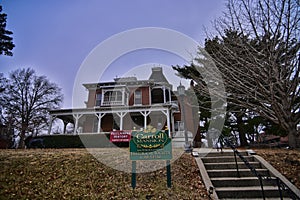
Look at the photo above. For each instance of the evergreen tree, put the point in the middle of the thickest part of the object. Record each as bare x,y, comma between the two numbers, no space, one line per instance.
6,41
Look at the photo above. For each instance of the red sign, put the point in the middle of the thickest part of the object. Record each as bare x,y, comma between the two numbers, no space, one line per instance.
120,136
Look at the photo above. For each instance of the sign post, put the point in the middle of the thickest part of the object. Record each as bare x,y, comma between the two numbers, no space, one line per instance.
169,180
150,145
133,175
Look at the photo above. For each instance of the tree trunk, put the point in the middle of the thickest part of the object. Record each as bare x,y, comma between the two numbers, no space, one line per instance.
293,137
22,137
242,135
197,139
243,139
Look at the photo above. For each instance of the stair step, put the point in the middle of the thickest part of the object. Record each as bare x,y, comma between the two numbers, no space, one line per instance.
225,159
226,153
233,172
231,165
222,172
246,192
270,198
240,182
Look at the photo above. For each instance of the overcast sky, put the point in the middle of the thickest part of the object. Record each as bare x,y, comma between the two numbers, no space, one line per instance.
55,36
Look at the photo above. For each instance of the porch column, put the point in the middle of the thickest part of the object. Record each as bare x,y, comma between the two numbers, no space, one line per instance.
167,113
77,117
172,122
168,122
145,114
99,116
123,96
121,115
102,97
65,126
164,91
50,125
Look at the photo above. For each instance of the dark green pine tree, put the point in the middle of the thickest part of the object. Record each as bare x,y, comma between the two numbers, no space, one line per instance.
6,43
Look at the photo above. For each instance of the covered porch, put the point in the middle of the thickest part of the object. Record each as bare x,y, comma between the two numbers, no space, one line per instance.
101,120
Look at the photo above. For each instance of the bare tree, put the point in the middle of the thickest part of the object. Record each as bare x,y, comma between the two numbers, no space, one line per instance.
3,82
257,53
27,100
263,74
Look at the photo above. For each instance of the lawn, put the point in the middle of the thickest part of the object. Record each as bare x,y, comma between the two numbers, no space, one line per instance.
76,174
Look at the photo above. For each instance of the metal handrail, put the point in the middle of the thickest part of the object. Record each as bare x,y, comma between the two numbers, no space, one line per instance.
281,185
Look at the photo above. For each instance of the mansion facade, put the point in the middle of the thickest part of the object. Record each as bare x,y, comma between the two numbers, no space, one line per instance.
127,104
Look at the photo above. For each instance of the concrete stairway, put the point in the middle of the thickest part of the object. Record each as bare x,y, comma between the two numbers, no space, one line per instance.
178,140
226,184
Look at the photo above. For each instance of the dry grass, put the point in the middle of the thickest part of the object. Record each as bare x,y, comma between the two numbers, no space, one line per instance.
75,174
287,162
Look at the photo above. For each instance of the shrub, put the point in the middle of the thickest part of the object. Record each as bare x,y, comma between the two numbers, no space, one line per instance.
72,141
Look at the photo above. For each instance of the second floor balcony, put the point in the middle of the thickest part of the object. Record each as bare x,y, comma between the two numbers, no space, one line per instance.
124,96
116,97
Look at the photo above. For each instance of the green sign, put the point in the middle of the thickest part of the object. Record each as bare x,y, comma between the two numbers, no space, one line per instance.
155,145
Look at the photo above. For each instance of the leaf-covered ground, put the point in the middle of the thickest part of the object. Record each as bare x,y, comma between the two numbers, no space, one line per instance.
287,162
75,174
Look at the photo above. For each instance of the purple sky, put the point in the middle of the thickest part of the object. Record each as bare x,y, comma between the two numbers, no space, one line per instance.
55,36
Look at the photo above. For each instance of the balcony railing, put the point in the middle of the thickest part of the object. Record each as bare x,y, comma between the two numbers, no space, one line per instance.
112,103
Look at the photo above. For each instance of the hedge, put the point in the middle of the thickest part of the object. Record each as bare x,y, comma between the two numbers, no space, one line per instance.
72,141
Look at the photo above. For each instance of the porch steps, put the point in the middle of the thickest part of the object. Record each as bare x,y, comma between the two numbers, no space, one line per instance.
178,140
220,175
